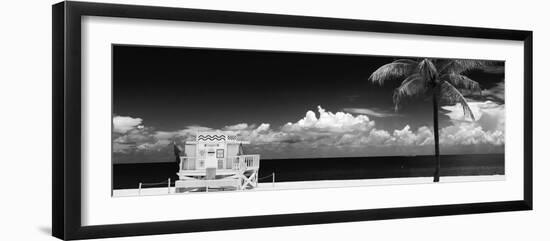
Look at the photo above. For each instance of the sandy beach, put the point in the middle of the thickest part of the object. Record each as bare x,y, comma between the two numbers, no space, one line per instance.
318,184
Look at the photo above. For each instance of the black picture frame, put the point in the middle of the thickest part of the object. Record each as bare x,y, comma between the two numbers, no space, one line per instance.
66,127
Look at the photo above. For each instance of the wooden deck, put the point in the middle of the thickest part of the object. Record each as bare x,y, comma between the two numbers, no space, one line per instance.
200,173
228,183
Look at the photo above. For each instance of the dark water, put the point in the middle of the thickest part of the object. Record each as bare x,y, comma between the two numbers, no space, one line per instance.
129,175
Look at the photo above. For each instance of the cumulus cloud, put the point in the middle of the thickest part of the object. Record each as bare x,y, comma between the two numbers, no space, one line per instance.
136,137
470,134
122,124
495,93
330,122
344,130
336,133
376,137
129,140
406,137
487,128
158,145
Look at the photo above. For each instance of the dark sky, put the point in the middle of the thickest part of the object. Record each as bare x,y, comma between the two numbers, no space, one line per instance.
175,87
172,88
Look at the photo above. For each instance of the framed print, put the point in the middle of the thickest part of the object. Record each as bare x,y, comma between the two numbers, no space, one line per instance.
170,120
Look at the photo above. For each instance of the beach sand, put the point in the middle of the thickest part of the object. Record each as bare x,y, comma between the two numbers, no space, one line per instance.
318,184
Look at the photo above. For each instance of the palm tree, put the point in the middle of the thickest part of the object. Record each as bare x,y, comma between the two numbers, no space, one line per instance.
442,78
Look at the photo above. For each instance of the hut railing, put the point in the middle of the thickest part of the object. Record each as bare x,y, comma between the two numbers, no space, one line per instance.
244,162
241,162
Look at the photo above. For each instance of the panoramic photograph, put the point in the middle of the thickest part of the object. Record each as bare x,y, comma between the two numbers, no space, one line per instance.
195,120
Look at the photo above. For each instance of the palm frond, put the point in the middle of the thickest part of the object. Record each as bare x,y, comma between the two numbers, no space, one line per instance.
395,70
413,85
462,82
459,66
427,68
449,93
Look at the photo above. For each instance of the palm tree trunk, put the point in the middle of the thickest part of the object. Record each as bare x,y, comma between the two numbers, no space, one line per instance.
436,132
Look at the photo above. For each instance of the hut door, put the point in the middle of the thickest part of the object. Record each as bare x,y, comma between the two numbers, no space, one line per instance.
211,161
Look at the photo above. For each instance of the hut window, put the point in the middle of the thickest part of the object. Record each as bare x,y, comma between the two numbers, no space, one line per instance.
219,153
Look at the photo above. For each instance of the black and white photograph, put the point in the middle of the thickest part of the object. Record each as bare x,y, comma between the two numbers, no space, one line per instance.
274,120
194,120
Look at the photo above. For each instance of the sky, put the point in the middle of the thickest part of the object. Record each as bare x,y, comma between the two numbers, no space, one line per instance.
288,104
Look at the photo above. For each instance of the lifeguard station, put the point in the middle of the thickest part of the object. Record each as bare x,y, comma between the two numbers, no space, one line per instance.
216,160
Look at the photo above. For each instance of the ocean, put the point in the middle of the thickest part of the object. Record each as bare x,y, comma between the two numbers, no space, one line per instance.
286,170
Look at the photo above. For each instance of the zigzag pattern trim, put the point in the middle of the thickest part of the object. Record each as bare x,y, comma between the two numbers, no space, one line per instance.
211,138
